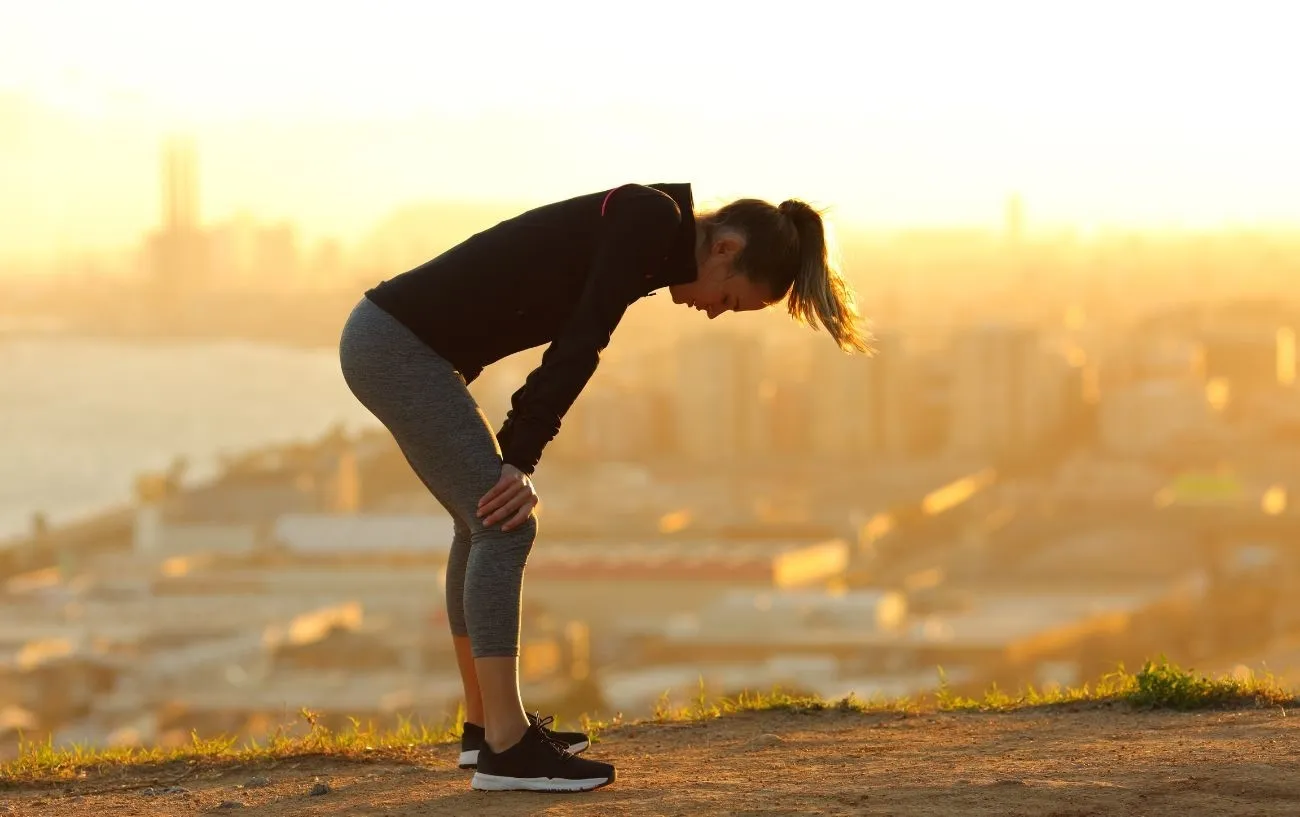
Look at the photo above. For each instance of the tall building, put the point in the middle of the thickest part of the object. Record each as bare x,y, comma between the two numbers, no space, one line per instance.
1007,391
858,406
719,411
609,423
790,415
180,185
1146,417
1257,358
232,252
178,250
277,257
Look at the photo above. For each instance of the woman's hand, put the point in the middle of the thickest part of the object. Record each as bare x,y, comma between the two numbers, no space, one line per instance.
512,499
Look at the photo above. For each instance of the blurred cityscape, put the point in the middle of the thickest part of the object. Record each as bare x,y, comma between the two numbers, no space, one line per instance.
1069,451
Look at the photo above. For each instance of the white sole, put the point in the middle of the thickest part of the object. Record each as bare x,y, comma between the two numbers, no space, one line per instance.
491,782
469,759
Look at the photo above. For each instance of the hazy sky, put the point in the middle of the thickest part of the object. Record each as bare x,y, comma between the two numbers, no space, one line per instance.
332,114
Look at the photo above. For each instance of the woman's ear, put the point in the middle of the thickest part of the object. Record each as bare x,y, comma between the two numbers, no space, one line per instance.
728,244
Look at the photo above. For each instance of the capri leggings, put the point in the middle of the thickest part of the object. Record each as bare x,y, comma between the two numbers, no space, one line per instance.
423,401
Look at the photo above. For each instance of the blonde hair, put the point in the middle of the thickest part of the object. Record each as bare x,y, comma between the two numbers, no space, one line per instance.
819,294
787,250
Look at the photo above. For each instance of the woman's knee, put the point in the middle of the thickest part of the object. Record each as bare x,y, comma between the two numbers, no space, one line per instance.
461,530
494,537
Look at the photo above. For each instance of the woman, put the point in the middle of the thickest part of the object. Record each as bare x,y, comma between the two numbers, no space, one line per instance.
563,275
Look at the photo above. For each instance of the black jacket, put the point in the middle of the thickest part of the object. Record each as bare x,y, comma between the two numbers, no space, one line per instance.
562,274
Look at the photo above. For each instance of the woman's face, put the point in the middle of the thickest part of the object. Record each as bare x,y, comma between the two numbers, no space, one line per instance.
720,287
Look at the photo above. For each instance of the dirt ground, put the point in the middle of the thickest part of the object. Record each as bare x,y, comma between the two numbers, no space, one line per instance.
1045,764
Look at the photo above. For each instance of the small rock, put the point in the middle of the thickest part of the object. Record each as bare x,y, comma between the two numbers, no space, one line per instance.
175,790
319,789
149,791
256,782
230,804
765,740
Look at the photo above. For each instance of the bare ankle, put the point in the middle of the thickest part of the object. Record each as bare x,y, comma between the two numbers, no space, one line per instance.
499,740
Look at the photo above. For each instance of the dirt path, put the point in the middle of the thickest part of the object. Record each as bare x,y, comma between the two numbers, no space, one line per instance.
1057,764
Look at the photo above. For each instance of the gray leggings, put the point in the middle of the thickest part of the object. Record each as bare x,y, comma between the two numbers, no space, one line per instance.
424,403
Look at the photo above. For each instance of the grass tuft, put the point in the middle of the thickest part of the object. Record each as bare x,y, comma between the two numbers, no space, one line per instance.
1158,685
42,762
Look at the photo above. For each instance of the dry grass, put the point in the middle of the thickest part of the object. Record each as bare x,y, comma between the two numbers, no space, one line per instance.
1158,684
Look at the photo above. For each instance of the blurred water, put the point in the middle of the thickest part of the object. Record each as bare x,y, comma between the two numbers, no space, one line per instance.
80,418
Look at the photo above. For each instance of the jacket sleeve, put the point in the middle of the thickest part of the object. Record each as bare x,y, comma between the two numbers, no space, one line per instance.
637,228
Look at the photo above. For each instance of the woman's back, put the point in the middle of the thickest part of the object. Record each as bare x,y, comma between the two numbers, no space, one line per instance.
516,285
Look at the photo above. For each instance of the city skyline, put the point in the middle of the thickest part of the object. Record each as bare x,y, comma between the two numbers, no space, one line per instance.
438,223
1076,118
47,216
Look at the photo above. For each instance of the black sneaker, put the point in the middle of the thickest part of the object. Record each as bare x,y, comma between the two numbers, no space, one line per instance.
471,740
538,763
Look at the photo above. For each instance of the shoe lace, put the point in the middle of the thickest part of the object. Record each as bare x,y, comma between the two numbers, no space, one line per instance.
540,724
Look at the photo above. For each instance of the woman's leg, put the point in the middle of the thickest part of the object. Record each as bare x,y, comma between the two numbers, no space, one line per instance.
469,680
457,561
423,401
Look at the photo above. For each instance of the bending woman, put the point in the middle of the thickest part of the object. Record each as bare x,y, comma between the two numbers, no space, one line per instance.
562,274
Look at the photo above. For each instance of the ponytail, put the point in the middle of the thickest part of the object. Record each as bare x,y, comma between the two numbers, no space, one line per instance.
819,293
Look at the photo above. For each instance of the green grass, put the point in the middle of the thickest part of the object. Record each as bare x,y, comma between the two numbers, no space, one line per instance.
1158,685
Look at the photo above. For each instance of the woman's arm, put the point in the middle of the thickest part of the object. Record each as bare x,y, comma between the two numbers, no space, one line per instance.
638,228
